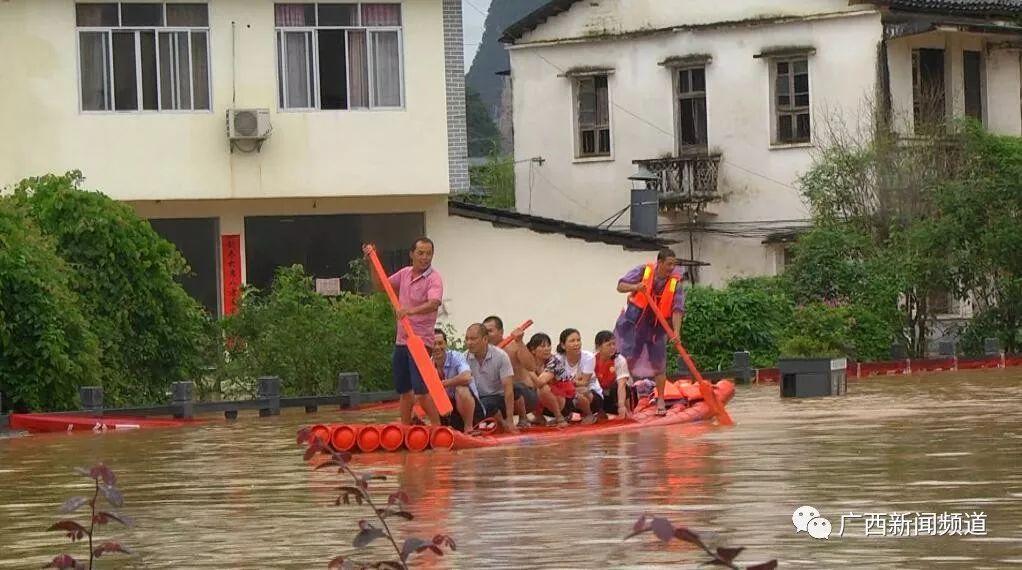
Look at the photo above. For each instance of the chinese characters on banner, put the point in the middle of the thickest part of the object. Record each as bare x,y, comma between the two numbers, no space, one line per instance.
230,248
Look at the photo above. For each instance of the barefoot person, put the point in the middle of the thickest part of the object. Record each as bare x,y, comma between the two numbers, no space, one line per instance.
457,378
611,376
493,375
419,290
639,336
542,352
569,374
526,395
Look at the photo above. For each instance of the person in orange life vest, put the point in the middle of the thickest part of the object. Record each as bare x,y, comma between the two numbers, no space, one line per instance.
611,377
637,330
541,346
569,374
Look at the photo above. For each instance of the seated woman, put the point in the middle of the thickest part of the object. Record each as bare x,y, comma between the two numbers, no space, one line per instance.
611,389
540,346
569,374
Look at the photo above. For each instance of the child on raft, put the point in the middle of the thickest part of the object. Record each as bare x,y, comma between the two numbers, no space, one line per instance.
569,374
611,378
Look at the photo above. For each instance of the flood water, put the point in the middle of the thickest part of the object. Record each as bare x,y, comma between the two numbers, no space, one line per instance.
239,496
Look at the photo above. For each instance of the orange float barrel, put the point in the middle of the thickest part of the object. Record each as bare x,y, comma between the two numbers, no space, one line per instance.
442,438
343,437
416,438
368,438
320,432
392,437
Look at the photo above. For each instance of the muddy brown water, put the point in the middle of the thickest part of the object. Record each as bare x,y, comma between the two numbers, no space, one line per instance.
238,495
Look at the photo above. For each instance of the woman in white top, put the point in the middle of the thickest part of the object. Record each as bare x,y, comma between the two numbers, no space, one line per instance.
570,375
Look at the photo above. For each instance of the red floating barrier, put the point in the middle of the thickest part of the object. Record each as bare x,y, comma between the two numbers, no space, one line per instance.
442,438
392,437
343,437
320,432
368,439
416,438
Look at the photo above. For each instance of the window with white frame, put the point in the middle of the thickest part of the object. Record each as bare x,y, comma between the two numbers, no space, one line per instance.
592,116
151,56
339,55
791,101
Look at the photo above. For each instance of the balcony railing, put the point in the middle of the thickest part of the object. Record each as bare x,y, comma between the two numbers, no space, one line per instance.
685,181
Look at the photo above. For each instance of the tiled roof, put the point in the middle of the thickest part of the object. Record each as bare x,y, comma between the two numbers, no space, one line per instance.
981,8
1010,8
506,218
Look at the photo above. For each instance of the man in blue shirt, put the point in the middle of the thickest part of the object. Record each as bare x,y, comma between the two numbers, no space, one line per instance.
457,379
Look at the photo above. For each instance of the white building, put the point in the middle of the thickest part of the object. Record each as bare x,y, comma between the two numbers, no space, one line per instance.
727,100
255,134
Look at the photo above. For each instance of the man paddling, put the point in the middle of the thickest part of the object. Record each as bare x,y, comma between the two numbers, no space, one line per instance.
419,289
637,332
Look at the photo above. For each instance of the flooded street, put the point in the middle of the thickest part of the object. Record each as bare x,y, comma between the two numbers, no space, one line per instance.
239,496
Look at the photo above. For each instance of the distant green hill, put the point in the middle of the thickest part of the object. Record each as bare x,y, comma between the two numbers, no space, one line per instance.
492,57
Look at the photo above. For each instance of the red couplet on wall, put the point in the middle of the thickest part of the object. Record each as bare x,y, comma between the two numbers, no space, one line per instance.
230,252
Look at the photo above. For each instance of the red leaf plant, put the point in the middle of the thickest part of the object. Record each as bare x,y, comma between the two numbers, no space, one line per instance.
105,484
368,532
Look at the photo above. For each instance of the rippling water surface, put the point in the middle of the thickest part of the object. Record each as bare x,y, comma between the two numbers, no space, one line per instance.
238,495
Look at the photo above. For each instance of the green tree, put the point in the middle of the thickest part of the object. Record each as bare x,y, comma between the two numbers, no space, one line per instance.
483,135
748,314
150,331
979,227
46,347
306,339
497,179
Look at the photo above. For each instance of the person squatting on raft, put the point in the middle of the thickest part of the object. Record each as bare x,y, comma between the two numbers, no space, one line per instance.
527,394
612,377
461,388
419,290
493,375
541,348
569,374
637,331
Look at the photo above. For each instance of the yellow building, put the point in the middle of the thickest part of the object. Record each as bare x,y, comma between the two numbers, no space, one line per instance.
252,133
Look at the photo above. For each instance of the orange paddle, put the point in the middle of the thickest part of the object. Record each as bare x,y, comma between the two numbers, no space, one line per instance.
511,337
704,387
415,345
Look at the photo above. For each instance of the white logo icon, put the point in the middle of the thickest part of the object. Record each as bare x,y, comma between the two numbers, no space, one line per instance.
801,517
819,528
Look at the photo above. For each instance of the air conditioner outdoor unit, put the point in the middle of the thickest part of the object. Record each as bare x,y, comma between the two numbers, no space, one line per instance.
248,125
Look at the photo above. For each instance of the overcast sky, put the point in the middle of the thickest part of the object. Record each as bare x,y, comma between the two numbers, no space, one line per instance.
474,17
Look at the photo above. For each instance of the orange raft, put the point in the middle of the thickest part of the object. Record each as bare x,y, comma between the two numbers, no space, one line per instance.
344,437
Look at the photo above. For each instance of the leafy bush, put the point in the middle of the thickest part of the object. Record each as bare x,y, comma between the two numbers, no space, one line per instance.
306,339
48,349
831,330
748,314
150,331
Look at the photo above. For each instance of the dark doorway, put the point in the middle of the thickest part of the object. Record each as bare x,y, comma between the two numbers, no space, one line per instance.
196,239
325,245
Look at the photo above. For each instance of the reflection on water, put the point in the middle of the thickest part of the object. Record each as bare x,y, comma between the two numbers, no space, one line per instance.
238,496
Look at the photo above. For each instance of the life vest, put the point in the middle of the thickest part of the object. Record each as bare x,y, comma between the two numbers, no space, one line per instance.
666,300
605,372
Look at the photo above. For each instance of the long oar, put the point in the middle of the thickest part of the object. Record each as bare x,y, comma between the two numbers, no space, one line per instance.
415,345
511,337
705,388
